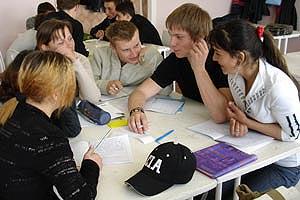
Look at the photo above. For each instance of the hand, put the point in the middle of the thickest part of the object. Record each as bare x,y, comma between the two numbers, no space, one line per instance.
113,87
234,112
91,155
66,52
237,129
198,54
137,122
100,34
142,54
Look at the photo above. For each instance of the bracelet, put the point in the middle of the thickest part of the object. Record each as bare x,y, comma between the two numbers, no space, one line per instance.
137,109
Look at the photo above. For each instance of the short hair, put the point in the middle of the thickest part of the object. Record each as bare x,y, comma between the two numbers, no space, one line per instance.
45,8
48,31
116,2
41,74
192,19
120,30
66,4
126,7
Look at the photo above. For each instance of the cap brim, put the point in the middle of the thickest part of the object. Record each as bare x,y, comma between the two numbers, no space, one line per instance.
147,185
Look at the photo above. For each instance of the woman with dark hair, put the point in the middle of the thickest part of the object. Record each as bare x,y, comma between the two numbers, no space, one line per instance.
34,154
263,97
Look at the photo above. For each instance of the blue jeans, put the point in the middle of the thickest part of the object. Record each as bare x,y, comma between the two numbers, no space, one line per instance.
261,180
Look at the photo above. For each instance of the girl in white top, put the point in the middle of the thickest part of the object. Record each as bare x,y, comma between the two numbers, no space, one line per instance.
262,96
55,35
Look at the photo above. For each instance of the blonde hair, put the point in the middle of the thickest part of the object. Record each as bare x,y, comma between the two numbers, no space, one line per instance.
192,19
41,74
120,31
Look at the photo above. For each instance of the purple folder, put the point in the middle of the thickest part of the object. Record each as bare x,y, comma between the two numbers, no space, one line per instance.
221,158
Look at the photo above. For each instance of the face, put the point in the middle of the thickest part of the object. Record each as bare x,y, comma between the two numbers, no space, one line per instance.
226,61
62,42
110,9
121,17
128,51
180,42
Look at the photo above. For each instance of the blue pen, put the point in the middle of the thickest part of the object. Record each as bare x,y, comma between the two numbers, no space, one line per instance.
164,135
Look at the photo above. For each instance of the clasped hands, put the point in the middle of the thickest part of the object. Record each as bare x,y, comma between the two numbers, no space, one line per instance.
237,120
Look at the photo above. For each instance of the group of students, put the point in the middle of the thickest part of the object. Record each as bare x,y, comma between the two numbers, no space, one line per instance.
234,69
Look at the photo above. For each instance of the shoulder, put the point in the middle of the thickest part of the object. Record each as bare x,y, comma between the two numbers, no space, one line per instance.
103,51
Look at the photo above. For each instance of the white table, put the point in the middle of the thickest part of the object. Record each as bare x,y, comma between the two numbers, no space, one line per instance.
111,183
285,39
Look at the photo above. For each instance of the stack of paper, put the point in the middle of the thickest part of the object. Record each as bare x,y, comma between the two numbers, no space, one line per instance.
220,132
166,105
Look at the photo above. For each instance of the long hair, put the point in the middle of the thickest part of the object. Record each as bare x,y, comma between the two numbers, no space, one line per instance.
49,30
241,35
42,74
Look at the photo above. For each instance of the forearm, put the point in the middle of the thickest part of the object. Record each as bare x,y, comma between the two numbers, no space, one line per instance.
213,99
136,99
273,130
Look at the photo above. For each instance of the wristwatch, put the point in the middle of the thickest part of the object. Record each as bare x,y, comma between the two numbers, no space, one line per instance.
137,109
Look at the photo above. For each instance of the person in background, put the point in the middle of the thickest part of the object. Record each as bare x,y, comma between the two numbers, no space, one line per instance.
188,65
56,35
68,10
124,62
110,11
148,33
35,156
67,120
263,97
43,8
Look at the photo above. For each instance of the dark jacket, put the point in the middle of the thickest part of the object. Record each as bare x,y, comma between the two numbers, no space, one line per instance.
102,26
77,30
34,156
148,33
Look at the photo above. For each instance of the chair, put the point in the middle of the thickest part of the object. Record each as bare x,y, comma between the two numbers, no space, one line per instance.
2,65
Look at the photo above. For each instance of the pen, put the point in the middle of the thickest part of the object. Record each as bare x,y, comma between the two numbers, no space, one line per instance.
164,135
103,138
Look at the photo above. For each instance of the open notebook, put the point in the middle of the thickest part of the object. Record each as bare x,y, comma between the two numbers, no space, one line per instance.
113,150
220,132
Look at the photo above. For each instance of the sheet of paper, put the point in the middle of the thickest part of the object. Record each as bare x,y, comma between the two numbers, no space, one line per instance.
144,138
211,129
164,105
115,150
113,111
79,149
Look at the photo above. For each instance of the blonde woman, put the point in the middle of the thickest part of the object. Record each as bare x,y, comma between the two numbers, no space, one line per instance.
34,154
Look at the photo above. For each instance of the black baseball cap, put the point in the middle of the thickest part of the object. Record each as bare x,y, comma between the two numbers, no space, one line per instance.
168,164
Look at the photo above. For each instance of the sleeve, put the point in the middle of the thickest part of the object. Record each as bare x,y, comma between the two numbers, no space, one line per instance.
166,71
87,85
214,70
68,121
58,167
100,26
78,38
285,107
96,63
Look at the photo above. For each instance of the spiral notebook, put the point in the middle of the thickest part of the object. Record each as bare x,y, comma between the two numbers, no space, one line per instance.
221,158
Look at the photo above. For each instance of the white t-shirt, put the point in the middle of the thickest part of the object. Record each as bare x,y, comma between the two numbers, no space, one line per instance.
273,98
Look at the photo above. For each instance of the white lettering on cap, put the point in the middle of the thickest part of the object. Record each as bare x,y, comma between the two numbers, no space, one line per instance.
156,165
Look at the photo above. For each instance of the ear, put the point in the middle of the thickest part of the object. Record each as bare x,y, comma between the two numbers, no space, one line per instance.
112,46
44,47
127,17
241,57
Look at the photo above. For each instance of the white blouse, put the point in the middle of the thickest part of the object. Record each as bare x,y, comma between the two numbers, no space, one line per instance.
273,98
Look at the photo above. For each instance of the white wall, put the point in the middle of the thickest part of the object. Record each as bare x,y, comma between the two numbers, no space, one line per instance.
215,8
13,14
